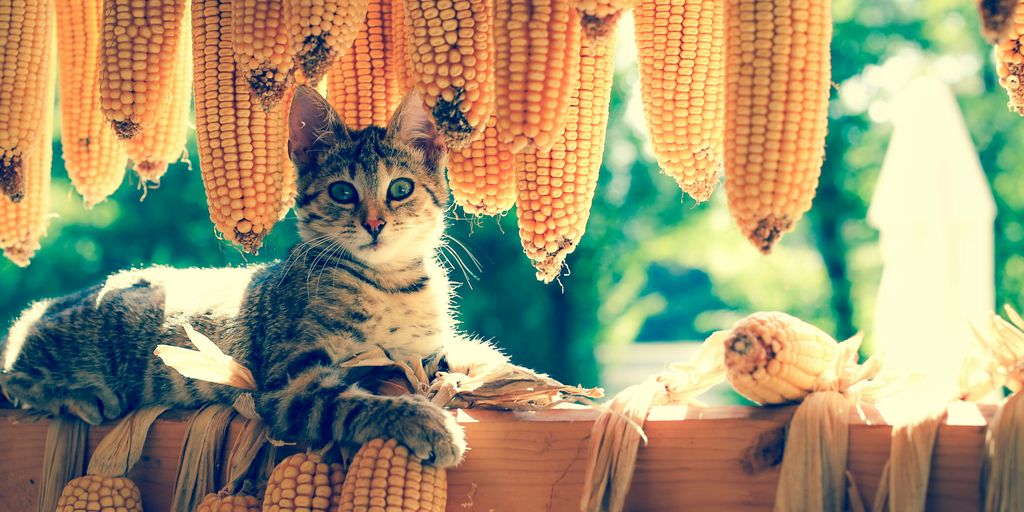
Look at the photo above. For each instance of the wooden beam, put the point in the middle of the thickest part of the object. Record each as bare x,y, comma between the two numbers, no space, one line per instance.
715,458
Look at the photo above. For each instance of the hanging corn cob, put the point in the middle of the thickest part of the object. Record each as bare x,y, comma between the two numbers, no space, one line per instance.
400,33
482,175
25,45
599,17
242,150
679,49
1010,62
23,221
362,84
93,492
94,158
997,17
384,476
321,30
262,49
140,47
304,482
555,188
451,48
154,149
536,63
778,71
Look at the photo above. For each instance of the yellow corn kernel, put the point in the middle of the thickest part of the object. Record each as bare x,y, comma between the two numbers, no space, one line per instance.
774,358
997,17
555,188
778,72
482,176
89,493
23,223
451,49
229,503
320,31
140,50
363,85
242,149
304,482
154,149
682,65
25,45
384,476
93,156
262,49
536,69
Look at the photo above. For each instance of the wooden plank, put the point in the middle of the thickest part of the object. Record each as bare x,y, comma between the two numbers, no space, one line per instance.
715,458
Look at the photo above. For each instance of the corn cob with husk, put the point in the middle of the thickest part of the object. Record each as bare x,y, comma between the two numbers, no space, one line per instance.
778,77
262,50
997,18
385,476
319,31
482,175
304,482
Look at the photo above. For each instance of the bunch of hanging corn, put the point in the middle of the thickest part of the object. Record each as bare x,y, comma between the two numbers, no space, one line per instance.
385,476
778,70
242,149
304,482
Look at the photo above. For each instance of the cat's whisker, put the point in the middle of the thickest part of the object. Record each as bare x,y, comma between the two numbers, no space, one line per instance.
476,262
466,272
294,254
334,247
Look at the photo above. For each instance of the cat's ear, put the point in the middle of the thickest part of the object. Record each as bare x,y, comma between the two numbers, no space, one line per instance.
312,126
412,125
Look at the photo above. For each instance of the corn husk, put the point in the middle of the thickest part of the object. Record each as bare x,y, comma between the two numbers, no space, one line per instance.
200,455
207,363
121,449
1004,457
251,458
813,474
63,459
904,481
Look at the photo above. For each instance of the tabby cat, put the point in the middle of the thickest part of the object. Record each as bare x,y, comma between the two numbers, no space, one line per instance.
370,207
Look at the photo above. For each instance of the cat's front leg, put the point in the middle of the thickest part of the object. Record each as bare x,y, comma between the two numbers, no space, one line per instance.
308,399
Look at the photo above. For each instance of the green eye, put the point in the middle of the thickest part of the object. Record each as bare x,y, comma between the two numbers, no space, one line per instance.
343,192
400,189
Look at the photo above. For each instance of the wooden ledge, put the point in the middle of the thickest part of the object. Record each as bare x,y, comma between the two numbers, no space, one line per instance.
713,458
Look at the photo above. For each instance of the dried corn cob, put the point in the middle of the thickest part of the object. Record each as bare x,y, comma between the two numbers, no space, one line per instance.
996,18
778,69
538,47
304,482
451,48
774,358
242,150
321,30
599,17
25,45
679,48
384,476
362,85
555,188
482,175
140,50
24,222
154,149
262,49
94,158
97,493
229,503
1010,62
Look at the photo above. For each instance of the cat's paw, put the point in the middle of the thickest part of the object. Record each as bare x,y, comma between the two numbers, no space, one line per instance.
430,432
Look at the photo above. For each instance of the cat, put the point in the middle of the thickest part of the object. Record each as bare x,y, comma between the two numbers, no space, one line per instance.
370,205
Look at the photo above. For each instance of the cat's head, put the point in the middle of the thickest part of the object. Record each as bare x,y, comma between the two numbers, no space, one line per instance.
380,194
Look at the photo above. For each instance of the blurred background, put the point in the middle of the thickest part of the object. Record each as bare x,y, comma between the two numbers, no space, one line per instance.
654,269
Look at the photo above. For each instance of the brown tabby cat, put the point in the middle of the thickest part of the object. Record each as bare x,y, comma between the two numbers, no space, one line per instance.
371,208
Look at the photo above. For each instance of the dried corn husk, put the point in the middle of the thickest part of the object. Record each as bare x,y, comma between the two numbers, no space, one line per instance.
1004,457
208,363
251,458
121,449
200,452
813,473
63,459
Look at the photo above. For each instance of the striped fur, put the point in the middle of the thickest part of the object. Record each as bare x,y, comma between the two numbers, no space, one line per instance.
340,290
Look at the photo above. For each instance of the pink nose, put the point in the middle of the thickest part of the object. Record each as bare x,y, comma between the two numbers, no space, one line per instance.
374,226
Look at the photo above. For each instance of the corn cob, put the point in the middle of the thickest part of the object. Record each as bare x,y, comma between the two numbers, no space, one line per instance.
773,358
229,503
996,18
154,149
362,85
97,493
538,47
24,222
94,158
451,48
555,188
304,482
1010,62
262,49
778,71
384,476
599,17
242,149
321,30
679,48
400,32
25,34
482,175
140,47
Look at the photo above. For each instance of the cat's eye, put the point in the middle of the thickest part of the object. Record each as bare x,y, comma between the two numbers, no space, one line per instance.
400,189
343,192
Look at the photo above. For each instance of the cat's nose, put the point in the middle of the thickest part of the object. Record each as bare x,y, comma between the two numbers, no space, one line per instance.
374,226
